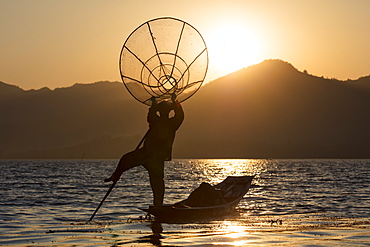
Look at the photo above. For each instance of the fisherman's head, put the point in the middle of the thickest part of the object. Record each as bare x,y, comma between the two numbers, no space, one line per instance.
164,108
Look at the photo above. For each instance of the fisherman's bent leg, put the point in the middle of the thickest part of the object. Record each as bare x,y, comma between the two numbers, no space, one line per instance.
127,161
156,175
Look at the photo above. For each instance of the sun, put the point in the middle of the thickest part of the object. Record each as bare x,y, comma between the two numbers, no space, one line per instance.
232,47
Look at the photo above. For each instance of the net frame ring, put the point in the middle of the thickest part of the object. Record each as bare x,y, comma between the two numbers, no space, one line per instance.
174,79
168,83
176,67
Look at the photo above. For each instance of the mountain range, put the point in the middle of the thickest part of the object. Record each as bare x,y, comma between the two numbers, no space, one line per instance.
268,110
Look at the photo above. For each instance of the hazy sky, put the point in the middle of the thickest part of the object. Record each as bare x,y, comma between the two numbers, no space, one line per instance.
57,43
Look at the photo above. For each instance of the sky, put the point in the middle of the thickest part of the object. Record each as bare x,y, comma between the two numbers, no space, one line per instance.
55,43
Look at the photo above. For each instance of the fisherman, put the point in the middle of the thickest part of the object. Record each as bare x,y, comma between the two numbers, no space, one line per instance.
157,146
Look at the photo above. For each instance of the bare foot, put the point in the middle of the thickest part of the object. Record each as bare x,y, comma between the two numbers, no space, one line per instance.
115,177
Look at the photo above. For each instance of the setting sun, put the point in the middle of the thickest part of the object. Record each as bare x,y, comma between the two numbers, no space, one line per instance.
232,47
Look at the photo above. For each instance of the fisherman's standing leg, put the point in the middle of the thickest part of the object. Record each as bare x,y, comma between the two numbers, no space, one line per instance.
155,168
127,161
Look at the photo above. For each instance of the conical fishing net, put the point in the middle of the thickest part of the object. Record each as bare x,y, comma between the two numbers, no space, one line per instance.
161,57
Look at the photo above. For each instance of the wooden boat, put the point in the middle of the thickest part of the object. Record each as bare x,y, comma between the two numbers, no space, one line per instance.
232,190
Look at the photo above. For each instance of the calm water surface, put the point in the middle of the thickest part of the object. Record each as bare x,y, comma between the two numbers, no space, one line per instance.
290,203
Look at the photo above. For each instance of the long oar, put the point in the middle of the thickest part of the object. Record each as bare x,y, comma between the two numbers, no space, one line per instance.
114,183
101,203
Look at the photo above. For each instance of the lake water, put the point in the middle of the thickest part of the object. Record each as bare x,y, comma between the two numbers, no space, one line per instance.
290,203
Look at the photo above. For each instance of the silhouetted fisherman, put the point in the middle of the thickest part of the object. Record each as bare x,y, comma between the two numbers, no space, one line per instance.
157,146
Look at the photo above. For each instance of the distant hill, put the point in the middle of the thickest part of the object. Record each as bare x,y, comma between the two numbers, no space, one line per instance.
53,119
274,110
269,110
362,82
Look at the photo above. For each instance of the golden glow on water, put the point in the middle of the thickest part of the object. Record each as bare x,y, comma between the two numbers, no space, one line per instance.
233,233
218,169
233,230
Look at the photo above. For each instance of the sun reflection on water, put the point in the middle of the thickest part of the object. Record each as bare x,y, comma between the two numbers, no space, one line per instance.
233,233
233,230
218,169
